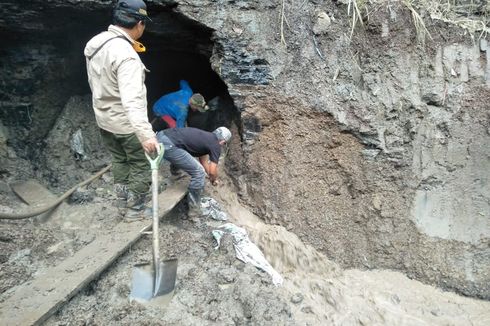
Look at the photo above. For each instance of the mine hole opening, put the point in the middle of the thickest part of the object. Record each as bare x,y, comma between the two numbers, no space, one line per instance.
43,68
180,49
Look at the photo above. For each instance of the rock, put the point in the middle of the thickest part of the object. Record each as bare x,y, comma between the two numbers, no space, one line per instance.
335,190
81,196
370,154
297,298
3,258
395,299
106,178
435,312
432,98
322,25
213,315
101,192
377,202
307,310
237,30
268,315
227,276
363,320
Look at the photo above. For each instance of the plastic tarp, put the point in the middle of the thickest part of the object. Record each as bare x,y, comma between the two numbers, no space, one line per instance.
246,250
77,146
212,209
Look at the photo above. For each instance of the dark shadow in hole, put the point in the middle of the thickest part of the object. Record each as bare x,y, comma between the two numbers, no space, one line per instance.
47,41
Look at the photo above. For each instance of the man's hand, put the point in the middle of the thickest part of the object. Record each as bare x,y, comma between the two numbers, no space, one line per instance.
150,145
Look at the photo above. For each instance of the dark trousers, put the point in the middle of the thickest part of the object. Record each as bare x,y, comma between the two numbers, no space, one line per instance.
129,163
181,159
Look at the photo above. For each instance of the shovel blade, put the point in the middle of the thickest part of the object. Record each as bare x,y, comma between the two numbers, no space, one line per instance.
142,283
147,284
166,274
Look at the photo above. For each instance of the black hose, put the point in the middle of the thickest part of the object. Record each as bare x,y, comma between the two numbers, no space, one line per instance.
40,210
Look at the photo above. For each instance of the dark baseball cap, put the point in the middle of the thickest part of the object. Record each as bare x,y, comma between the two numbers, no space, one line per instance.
134,8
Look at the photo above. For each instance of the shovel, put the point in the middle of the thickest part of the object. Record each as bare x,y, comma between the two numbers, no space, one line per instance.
158,278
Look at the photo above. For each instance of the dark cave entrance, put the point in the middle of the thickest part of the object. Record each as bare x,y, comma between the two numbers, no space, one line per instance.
43,65
180,49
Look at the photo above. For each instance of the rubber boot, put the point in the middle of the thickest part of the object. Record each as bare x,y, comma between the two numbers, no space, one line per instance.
136,207
175,172
194,202
121,192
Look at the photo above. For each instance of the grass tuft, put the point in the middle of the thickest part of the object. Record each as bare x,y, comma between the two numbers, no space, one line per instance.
354,10
418,22
470,15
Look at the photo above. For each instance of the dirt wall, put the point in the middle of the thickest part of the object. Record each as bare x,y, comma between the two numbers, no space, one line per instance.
372,147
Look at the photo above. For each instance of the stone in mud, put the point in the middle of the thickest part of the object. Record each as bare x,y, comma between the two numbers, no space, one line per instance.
307,310
213,315
81,196
297,298
227,276
323,22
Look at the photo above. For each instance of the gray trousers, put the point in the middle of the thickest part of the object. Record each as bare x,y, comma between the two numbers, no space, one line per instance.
181,159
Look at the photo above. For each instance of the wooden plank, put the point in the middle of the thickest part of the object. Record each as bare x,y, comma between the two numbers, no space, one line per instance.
33,193
35,301
36,195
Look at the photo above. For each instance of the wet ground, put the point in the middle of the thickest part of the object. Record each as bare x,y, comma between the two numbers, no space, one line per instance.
213,286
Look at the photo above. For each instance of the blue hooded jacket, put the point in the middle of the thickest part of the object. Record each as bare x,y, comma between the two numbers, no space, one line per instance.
175,104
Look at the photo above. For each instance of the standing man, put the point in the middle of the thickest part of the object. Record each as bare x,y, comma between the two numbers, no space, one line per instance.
116,76
182,145
171,109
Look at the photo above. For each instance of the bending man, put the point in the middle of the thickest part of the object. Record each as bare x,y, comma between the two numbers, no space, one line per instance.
182,145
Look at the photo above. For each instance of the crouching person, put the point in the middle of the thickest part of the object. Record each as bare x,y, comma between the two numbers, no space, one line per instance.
182,146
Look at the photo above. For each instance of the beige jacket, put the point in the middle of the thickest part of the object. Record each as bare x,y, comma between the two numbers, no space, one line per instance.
117,79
